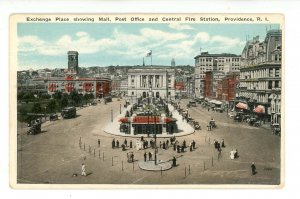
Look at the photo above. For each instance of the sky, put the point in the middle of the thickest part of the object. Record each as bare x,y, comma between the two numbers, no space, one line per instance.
44,45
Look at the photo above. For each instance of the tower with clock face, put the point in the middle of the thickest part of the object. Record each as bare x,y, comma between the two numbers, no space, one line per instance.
73,62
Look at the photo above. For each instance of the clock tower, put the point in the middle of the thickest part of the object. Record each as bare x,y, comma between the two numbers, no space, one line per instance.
73,62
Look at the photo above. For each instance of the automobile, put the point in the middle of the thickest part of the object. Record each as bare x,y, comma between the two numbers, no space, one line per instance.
276,128
69,112
238,117
94,102
219,109
53,117
252,120
197,125
193,103
232,114
35,128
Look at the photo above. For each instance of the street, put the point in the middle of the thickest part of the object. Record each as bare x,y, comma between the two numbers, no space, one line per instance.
55,156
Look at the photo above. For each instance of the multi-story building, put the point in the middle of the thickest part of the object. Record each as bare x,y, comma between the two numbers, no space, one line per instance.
99,87
260,75
147,80
213,62
227,88
211,83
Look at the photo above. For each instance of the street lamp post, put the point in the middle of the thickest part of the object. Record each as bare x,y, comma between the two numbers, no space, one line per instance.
120,107
111,111
155,156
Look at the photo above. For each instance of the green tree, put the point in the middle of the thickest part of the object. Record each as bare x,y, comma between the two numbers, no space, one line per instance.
45,96
64,102
28,96
37,108
75,97
57,95
51,106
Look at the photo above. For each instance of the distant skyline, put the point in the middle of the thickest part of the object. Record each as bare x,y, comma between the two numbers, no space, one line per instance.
42,45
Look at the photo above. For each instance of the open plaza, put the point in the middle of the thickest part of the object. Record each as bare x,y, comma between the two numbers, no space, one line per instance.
56,155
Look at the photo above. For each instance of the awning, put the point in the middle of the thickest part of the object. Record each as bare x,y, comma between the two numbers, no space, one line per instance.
259,109
241,105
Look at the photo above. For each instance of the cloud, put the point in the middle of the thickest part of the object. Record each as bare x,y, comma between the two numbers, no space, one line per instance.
178,26
159,35
121,45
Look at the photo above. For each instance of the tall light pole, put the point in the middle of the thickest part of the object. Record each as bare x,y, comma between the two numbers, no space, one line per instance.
155,152
120,107
111,111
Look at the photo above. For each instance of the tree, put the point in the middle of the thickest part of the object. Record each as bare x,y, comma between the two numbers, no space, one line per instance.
57,95
45,96
75,97
37,108
51,106
64,102
28,96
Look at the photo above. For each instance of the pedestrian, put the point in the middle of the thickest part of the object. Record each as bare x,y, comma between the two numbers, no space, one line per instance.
194,144
236,155
223,143
164,145
150,156
184,144
174,161
174,147
83,169
125,142
253,168
191,147
132,157
160,144
145,156
130,144
216,144
98,142
182,149
142,138
113,143
219,153
167,143
118,143
178,149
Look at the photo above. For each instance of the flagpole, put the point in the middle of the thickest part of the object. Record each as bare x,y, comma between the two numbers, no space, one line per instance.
151,58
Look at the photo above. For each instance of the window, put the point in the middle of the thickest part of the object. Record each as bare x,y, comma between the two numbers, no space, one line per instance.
277,72
132,93
269,84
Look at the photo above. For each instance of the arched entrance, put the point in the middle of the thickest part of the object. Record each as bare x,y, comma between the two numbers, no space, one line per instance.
144,95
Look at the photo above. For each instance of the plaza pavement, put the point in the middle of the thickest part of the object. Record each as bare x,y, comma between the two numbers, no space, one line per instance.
55,157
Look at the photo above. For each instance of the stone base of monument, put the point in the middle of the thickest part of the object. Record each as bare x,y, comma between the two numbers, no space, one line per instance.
151,166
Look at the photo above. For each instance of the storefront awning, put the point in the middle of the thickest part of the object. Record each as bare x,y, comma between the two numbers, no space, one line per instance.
241,105
259,109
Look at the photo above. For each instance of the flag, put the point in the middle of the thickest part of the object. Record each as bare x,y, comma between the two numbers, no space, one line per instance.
149,54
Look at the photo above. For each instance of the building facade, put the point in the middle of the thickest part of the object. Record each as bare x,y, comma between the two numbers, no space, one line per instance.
156,80
213,62
260,75
227,88
211,83
99,87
